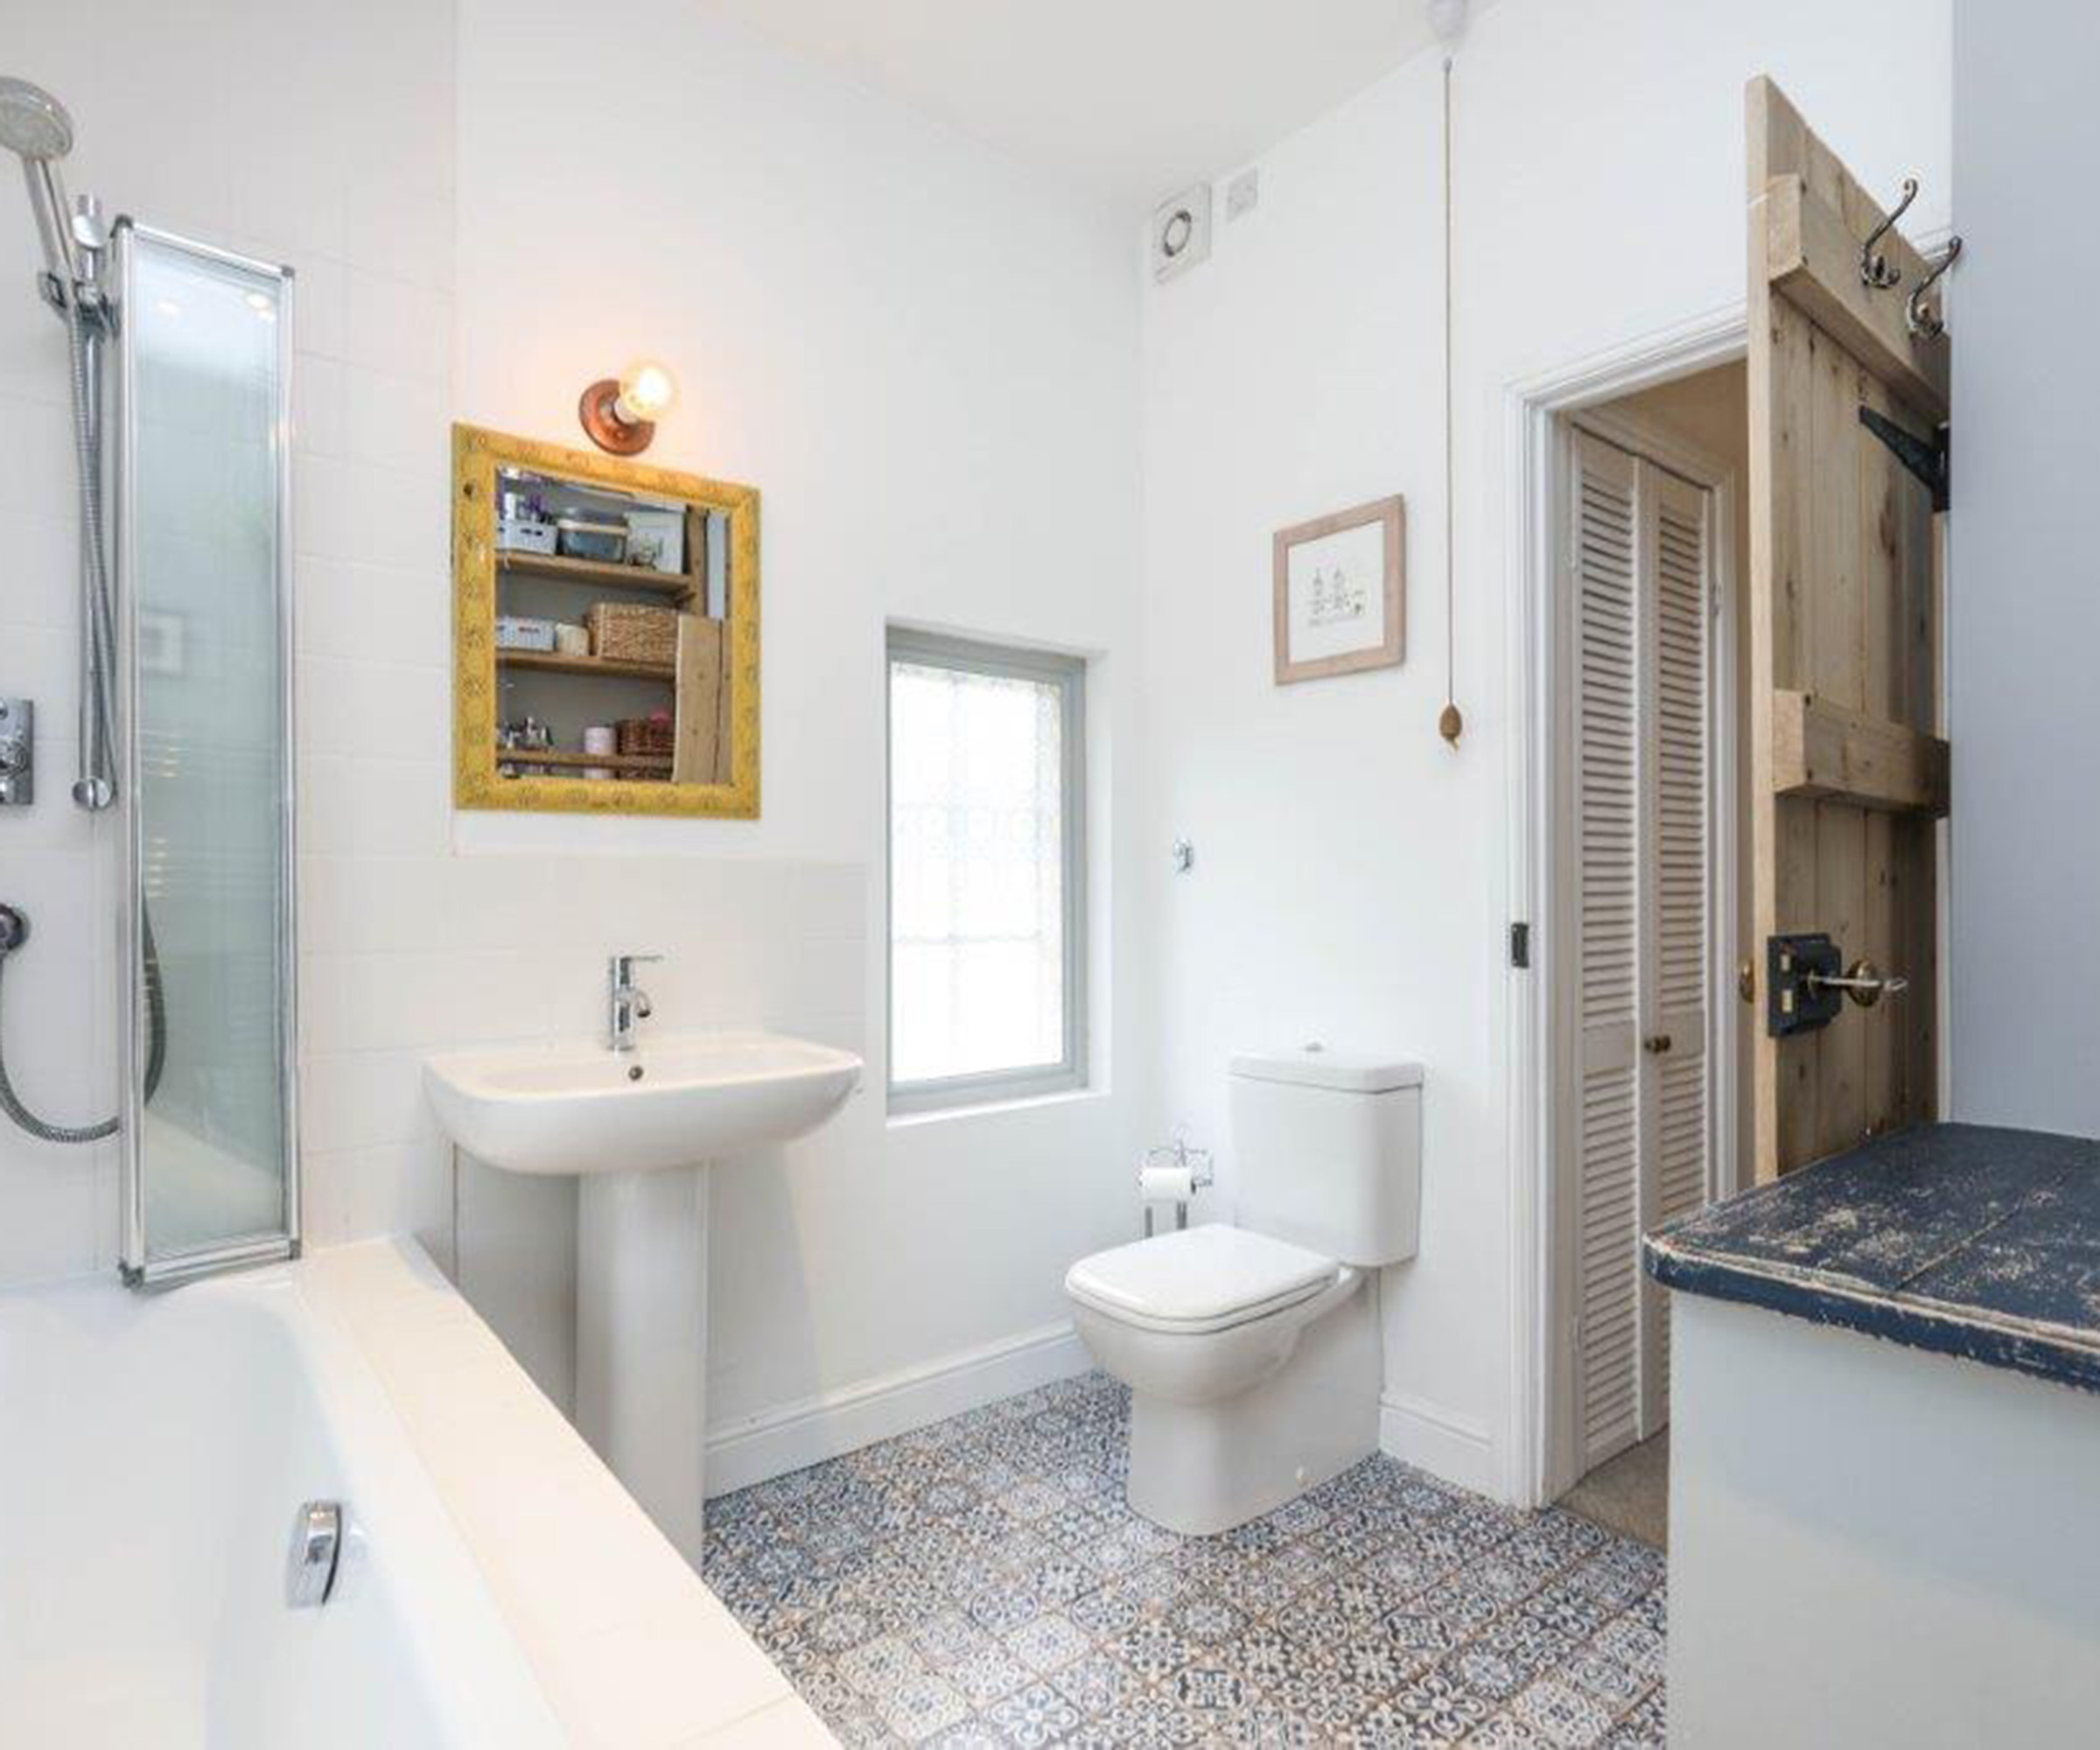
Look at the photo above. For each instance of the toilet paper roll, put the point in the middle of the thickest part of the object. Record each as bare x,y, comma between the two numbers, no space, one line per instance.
1166,1184
600,738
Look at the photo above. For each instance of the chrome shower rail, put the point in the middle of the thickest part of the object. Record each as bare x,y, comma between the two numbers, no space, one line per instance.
226,1124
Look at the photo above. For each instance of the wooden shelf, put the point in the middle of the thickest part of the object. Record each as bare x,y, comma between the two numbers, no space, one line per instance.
682,584
554,662
612,762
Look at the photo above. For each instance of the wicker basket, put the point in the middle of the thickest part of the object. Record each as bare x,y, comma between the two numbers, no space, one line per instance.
656,735
632,631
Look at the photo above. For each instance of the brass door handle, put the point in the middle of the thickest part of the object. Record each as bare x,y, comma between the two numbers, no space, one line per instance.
1655,1044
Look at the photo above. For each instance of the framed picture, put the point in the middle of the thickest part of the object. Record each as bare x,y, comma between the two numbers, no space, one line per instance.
1340,599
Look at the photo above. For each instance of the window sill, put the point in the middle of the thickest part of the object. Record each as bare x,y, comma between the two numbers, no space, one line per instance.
993,1109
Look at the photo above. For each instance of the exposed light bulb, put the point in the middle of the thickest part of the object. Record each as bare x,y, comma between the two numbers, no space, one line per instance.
620,413
648,391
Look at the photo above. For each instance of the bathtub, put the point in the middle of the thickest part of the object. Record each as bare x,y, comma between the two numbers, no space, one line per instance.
153,1452
496,1587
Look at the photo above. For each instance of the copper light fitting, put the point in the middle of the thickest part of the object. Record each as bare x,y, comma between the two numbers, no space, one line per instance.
620,414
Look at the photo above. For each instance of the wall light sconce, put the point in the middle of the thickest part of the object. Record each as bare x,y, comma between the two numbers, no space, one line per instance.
620,413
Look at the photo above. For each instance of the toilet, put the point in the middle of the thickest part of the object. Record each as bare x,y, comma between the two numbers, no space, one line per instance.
1253,1352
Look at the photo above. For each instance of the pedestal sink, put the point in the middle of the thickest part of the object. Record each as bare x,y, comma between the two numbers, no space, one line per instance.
638,1129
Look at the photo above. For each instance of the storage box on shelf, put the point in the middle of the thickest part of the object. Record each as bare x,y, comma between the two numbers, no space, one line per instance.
633,631
655,735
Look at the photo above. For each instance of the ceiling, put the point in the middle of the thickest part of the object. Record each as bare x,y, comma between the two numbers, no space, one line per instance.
1131,98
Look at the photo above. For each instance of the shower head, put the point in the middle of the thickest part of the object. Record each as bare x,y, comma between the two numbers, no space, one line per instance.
33,124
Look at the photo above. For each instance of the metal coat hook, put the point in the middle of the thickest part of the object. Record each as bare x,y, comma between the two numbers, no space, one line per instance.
1929,323
1875,268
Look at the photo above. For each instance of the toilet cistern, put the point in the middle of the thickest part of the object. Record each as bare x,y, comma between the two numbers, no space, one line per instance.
1253,1351
626,1003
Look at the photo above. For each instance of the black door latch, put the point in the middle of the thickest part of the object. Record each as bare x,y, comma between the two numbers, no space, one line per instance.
1797,998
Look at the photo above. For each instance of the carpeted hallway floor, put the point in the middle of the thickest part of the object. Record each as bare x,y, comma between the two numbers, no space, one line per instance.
1630,1494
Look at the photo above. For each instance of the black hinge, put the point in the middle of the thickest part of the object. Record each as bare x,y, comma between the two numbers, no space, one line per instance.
1929,459
1520,945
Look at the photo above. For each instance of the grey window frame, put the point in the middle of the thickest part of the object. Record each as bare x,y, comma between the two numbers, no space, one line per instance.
1069,674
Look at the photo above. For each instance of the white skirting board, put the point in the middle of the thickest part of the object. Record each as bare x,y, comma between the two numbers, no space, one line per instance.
1441,1441
813,1429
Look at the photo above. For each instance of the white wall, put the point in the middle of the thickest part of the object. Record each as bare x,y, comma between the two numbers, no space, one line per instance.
1351,880
2024,612
931,363
927,361
252,127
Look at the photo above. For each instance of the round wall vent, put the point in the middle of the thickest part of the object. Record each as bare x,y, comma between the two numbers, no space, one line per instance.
1181,232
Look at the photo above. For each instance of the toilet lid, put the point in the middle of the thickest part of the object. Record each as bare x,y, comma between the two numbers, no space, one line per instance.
1201,1278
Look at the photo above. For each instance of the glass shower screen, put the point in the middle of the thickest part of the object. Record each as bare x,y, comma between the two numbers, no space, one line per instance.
202,438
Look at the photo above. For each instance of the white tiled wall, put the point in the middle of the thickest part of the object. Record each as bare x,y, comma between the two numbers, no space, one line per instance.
330,135
765,943
319,136
406,953
405,945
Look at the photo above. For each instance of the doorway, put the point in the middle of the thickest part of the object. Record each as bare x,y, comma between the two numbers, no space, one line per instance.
1644,1056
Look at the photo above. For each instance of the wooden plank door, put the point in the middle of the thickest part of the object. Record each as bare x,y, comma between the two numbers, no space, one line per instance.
1846,772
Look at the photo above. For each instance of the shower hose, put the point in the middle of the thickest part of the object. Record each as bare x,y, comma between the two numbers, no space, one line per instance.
100,631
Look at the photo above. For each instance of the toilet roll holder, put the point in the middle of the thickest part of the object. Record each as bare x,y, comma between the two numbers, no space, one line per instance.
1177,1157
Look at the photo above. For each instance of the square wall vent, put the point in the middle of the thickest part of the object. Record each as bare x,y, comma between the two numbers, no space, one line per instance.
1181,232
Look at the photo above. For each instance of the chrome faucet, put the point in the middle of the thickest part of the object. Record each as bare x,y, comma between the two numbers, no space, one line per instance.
625,1001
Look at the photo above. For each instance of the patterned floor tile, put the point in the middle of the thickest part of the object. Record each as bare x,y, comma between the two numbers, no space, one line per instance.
983,1582
988,1674
923,1707
1034,1716
1050,1641
881,1669
1562,1715
1096,1682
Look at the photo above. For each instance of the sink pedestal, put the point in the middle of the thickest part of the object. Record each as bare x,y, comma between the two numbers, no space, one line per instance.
642,1339
636,1128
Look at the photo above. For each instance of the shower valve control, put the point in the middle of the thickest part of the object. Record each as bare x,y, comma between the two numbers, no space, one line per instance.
18,752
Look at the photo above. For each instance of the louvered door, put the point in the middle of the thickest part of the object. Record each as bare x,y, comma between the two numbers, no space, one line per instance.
1606,550
1675,1095
1640,544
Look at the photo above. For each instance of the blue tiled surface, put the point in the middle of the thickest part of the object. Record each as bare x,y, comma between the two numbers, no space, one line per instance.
1964,1239
983,1582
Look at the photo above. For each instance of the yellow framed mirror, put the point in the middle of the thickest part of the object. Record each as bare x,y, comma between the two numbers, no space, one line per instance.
604,633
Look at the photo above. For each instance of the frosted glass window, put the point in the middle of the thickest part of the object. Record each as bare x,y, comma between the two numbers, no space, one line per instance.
986,808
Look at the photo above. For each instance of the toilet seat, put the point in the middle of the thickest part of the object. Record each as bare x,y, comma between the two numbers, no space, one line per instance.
1198,1279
